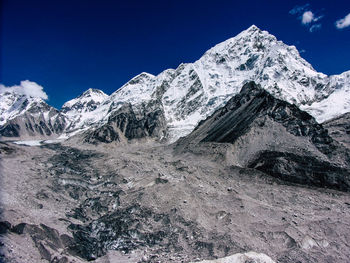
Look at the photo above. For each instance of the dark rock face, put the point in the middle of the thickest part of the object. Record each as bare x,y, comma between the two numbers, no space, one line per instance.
305,170
10,130
252,103
339,129
275,137
127,122
105,134
5,226
6,149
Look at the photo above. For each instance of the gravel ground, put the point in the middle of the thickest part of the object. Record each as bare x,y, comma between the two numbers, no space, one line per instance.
146,203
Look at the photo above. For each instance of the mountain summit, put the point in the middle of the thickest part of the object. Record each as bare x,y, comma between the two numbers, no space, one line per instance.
78,110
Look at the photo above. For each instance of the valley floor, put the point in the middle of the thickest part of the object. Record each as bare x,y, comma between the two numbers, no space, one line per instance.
145,203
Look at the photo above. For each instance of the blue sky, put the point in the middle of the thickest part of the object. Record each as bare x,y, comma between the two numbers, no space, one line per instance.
70,46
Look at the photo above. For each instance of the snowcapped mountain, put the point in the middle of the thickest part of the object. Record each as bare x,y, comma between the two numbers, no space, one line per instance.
337,101
81,111
28,117
188,94
194,91
11,105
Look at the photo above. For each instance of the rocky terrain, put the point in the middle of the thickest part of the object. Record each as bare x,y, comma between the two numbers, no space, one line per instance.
146,203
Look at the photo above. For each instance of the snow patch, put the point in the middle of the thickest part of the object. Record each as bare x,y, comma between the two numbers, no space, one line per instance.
242,258
29,143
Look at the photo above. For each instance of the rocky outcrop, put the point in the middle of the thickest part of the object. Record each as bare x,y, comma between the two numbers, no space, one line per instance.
47,240
273,136
339,129
130,122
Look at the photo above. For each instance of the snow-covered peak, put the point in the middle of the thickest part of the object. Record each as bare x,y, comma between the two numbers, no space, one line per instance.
87,101
13,104
199,88
81,110
93,92
136,90
252,28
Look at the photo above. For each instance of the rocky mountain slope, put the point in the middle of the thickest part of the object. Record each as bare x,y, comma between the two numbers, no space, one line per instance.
339,129
193,91
256,130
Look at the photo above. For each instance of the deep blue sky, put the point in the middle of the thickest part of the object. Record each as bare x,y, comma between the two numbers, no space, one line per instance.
70,46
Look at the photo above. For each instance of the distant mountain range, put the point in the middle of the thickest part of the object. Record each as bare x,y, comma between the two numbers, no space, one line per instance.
171,104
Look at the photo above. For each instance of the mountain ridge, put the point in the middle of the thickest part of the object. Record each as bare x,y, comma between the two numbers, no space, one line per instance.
193,91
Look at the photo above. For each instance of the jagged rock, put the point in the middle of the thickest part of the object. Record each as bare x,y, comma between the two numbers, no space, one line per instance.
127,123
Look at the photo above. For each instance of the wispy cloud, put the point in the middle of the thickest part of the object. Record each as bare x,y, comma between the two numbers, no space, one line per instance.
307,17
315,27
26,87
297,10
344,22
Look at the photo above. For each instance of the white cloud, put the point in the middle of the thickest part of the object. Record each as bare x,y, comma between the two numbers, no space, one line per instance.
26,87
344,22
307,17
297,10
315,27
318,18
